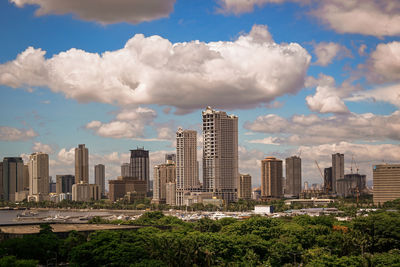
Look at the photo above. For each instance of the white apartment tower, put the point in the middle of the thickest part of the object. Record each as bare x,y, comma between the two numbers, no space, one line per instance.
220,154
337,169
38,168
187,168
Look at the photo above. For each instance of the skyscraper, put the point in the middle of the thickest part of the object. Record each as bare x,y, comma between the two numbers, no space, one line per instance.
38,166
328,180
337,169
1,180
12,177
163,174
81,164
293,176
271,178
99,177
220,154
64,183
187,170
125,170
244,186
386,178
139,165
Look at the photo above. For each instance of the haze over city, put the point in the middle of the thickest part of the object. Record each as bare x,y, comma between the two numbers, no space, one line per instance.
304,78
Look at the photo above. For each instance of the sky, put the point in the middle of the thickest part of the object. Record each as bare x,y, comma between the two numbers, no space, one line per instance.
305,77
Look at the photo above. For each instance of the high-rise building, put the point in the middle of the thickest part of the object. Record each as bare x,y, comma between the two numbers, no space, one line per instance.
352,185
163,174
244,186
39,174
99,177
337,169
26,177
170,192
271,178
386,178
187,168
139,165
1,180
85,192
220,154
126,186
293,176
171,157
81,164
125,170
13,168
64,183
328,180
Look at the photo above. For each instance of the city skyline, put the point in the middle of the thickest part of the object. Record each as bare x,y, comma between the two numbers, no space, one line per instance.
299,81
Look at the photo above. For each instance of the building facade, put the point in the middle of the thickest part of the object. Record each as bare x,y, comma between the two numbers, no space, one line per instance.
125,170
171,157
293,176
38,166
187,168
13,168
139,165
244,186
386,178
163,174
64,183
85,192
81,164
271,178
123,186
328,180
99,178
337,169
220,154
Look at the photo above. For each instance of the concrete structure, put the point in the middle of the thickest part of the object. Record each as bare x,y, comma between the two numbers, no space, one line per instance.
193,197
125,170
261,209
39,174
99,178
328,180
337,169
244,186
13,168
293,176
220,154
123,185
163,174
139,165
271,178
1,180
171,157
386,178
187,168
26,177
85,192
81,164
64,183
170,193
352,185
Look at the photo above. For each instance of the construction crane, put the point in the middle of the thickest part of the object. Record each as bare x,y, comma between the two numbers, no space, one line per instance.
322,175
327,184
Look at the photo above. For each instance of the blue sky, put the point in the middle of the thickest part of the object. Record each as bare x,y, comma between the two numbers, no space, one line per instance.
303,76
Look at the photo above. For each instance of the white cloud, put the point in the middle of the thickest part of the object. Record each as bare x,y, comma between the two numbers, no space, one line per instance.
15,134
104,11
389,94
326,52
39,147
245,6
383,65
129,123
312,129
266,141
151,70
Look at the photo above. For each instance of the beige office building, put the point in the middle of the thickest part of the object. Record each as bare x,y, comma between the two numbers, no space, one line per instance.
163,174
386,178
170,193
244,188
85,192
220,154
293,176
38,166
187,168
135,189
271,178
99,177
337,169
81,164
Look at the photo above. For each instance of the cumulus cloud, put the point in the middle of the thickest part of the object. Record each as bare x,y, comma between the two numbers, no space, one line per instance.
104,11
389,94
383,65
312,129
266,141
14,134
326,52
245,6
39,147
129,123
247,72
328,97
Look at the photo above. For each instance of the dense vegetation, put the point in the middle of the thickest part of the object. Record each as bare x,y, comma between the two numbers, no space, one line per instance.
259,241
